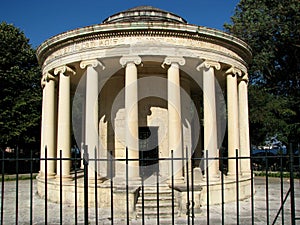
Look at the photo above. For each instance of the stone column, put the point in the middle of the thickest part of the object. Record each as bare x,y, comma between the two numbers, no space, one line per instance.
210,117
91,112
64,121
131,113
244,125
43,130
174,115
48,134
232,117
186,114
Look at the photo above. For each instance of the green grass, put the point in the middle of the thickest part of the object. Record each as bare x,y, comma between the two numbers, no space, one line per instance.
20,177
276,174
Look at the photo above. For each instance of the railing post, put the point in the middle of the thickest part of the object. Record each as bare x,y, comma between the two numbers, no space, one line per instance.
61,188
172,184
267,187
31,185
17,185
46,180
111,188
86,187
237,186
192,186
96,185
187,187
207,187
2,188
292,196
252,190
75,187
127,191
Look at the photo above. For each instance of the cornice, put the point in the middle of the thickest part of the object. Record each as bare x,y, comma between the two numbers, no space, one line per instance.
104,31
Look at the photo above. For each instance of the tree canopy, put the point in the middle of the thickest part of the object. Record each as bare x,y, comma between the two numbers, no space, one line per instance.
20,102
272,29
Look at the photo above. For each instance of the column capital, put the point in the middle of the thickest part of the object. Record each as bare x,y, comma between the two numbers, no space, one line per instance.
46,78
206,64
244,78
169,60
66,70
130,59
91,62
233,71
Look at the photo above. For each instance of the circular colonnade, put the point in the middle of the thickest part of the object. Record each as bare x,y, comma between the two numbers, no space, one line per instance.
147,80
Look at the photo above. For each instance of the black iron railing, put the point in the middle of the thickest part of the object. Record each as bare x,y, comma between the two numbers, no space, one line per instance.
241,211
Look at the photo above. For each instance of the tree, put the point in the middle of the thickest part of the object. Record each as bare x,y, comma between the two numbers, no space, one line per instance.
269,115
20,102
272,29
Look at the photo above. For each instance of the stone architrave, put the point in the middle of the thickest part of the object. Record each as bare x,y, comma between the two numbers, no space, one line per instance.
210,117
64,122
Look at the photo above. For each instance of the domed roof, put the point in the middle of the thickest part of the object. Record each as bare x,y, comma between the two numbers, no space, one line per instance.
144,14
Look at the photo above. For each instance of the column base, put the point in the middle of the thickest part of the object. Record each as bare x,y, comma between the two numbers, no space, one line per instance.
41,175
246,174
232,176
177,181
64,178
99,179
212,179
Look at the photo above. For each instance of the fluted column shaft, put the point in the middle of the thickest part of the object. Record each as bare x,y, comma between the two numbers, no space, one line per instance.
233,118
174,115
48,126
244,125
131,113
64,121
210,117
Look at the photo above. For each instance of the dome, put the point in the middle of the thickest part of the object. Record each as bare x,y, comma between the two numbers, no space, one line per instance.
144,14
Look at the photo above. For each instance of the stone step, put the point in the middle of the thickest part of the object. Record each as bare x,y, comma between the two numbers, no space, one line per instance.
153,214
154,198
150,202
154,191
154,204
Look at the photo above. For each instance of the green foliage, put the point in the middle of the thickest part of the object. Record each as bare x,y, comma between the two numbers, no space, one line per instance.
272,29
20,91
269,114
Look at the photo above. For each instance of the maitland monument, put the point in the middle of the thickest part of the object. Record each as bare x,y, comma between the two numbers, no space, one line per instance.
144,86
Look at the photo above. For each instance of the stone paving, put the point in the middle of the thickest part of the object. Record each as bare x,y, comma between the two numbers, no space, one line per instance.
53,209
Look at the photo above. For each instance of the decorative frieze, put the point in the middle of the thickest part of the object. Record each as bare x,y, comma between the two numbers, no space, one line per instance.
133,41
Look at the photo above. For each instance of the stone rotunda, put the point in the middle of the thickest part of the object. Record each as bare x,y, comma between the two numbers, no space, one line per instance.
147,85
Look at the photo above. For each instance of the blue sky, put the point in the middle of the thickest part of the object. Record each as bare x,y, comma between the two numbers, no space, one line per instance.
42,19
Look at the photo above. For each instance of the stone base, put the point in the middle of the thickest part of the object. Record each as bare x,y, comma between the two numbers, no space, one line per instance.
119,194
103,194
229,192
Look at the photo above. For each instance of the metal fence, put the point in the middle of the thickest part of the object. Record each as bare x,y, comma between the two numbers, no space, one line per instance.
272,200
